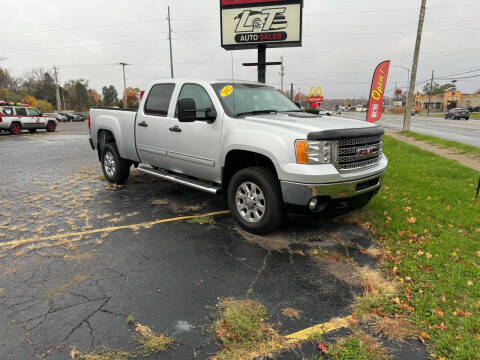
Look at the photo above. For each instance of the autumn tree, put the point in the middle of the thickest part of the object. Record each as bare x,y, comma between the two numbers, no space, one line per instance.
94,99
132,97
437,89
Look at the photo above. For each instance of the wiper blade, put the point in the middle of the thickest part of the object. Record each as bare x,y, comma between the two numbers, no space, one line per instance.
287,111
256,112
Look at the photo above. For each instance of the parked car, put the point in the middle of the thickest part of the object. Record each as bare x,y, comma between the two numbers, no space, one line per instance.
324,112
246,141
79,117
457,113
17,118
69,116
57,116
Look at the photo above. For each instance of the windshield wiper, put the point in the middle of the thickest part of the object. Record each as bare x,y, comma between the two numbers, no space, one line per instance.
299,110
256,112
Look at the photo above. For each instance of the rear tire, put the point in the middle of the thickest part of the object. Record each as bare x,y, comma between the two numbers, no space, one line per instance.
255,199
115,169
16,128
51,126
467,118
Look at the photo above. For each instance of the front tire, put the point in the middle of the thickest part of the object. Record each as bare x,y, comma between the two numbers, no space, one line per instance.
51,126
255,199
115,169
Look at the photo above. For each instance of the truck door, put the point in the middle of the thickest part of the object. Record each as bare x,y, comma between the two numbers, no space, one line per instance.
193,147
23,117
34,119
151,126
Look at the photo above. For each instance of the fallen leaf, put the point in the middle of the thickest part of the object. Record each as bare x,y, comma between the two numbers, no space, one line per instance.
323,348
424,335
469,283
412,220
428,255
438,312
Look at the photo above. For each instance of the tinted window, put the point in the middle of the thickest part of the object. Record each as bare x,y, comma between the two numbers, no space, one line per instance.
21,111
199,94
8,111
158,99
33,112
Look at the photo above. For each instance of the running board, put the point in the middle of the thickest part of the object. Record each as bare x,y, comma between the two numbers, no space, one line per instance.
180,180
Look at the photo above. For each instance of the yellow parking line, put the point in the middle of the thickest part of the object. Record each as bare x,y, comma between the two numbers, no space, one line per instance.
329,326
15,243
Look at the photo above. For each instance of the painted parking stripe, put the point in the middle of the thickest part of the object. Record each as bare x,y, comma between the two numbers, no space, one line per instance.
327,327
16,243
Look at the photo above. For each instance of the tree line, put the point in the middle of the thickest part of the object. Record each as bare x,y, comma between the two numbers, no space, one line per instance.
38,89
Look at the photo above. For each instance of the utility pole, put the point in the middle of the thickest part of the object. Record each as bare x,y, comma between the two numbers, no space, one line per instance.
124,86
63,97
282,72
430,94
170,41
291,91
413,78
57,91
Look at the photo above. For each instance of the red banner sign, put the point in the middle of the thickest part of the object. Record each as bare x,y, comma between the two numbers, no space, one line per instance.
379,83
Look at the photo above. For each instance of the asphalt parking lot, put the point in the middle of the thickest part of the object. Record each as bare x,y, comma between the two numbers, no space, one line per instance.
78,255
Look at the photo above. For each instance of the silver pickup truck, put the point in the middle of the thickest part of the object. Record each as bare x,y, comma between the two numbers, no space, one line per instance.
246,141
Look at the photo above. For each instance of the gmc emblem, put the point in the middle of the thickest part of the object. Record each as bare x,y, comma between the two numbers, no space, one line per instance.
367,152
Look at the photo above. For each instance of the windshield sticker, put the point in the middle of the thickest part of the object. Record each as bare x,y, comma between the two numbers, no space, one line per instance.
227,90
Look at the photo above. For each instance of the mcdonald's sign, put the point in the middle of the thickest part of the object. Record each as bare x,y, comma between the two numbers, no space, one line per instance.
317,95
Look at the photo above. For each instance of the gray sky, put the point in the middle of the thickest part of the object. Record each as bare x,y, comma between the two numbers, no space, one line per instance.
343,41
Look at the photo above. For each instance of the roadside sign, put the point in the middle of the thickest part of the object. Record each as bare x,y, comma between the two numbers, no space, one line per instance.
315,95
379,83
247,24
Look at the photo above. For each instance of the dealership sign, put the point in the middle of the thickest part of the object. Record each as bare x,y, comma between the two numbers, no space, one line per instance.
379,83
246,24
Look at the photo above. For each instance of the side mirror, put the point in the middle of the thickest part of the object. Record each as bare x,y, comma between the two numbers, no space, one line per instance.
187,110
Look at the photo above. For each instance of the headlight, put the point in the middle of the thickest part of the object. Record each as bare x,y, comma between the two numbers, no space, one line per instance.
313,152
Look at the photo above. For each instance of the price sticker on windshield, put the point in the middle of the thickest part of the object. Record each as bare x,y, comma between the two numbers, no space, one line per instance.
227,90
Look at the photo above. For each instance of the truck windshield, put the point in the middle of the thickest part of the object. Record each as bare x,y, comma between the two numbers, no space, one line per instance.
243,99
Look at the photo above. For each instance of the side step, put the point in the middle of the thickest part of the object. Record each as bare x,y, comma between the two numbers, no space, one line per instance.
180,180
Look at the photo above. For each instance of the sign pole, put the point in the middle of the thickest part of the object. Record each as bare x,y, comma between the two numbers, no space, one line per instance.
262,59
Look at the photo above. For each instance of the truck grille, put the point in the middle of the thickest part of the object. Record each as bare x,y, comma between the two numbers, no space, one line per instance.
356,154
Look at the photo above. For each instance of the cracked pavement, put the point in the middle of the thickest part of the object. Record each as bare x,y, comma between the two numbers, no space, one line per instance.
59,291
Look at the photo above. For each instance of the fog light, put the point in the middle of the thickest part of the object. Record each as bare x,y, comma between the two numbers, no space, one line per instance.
312,205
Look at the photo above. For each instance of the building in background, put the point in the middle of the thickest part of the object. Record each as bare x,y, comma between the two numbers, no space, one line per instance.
447,100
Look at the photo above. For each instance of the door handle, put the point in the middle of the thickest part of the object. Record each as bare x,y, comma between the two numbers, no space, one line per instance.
175,129
143,124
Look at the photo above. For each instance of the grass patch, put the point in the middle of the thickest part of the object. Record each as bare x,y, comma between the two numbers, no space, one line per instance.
291,313
151,343
202,220
394,329
103,354
358,346
448,144
243,330
130,319
427,222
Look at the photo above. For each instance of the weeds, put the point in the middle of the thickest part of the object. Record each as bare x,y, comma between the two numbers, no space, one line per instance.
150,342
202,220
103,354
291,313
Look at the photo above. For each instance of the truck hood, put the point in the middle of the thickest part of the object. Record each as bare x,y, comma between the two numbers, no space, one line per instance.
304,123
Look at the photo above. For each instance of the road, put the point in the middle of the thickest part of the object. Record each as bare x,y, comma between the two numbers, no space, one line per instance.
462,131
77,255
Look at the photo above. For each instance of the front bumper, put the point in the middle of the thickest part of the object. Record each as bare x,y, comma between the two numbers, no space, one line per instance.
298,195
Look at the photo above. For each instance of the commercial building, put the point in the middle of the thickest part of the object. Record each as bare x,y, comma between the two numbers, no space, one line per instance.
447,100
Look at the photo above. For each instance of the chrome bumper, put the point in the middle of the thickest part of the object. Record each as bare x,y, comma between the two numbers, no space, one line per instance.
301,194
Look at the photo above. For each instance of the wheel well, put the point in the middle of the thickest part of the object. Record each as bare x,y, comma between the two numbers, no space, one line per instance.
103,137
240,159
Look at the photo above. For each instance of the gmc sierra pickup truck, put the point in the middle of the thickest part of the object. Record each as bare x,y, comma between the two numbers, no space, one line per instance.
246,141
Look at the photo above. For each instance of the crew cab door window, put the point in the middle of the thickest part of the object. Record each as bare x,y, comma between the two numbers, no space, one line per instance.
158,100
199,94
33,112
21,111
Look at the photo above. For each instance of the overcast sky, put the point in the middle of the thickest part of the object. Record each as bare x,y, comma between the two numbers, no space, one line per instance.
343,41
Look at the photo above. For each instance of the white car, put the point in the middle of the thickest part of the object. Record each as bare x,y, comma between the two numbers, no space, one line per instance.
324,112
16,118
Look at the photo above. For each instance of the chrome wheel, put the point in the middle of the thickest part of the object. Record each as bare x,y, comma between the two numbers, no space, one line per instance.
250,202
109,164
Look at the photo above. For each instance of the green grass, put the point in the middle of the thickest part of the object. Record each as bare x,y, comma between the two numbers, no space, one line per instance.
357,347
428,223
452,145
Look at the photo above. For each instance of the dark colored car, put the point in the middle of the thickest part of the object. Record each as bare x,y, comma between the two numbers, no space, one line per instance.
70,116
79,117
457,113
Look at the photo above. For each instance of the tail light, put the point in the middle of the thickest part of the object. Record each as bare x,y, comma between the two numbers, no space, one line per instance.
141,94
0,117
88,121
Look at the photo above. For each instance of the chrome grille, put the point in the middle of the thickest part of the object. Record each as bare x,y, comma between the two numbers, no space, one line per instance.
356,154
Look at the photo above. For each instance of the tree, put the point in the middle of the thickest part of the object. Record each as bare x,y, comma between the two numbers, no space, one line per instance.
29,99
110,95
76,94
44,106
132,97
93,98
437,89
